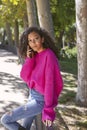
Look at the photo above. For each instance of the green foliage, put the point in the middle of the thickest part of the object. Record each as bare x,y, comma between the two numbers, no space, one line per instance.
68,60
69,53
10,10
15,2
70,33
63,13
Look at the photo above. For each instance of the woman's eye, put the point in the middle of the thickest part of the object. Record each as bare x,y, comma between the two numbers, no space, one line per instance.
37,38
29,40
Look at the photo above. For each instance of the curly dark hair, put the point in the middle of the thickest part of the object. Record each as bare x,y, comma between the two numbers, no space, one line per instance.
48,41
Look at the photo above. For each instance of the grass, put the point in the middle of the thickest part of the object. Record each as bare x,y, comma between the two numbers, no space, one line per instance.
69,72
82,124
69,115
69,65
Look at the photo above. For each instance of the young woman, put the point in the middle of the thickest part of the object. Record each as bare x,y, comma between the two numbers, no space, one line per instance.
42,74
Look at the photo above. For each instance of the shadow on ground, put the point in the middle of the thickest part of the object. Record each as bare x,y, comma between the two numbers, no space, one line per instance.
10,84
15,83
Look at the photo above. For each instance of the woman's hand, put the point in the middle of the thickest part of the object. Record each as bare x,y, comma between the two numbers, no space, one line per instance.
30,52
47,123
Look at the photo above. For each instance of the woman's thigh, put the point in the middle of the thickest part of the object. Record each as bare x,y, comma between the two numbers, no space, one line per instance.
30,109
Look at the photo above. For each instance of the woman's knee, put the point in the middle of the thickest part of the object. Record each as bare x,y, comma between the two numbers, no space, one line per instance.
6,118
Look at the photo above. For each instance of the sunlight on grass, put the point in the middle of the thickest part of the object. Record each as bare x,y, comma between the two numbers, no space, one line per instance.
69,89
82,124
74,116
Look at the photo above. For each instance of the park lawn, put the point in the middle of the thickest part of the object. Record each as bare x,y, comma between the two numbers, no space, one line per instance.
69,115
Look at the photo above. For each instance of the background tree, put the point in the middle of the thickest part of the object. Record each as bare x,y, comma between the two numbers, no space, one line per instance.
44,15
81,25
63,14
12,13
57,16
31,13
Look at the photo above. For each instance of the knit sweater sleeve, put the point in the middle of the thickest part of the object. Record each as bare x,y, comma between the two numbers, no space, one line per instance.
48,111
27,69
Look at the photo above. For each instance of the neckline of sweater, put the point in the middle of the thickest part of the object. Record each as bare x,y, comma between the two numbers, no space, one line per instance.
43,51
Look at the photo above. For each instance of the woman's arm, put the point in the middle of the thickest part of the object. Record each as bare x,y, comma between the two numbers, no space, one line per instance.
27,69
51,86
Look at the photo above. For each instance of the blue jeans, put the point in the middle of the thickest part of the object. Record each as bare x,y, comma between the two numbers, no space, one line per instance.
27,112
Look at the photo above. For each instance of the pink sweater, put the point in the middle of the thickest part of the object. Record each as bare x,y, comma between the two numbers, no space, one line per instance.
43,74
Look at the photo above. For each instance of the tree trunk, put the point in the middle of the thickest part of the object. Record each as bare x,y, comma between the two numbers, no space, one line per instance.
81,21
9,34
25,21
31,12
16,36
3,36
44,15
16,33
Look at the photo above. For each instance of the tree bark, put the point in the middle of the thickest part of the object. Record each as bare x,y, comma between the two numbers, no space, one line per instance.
16,36
81,25
25,21
9,34
16,33
44,15
3,36
31,12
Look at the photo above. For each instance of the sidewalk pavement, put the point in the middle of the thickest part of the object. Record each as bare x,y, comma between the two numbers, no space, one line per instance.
13,91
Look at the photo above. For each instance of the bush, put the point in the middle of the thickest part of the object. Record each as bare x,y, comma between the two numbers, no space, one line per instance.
69,52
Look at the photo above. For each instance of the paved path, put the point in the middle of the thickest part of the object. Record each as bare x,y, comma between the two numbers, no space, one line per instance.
13,91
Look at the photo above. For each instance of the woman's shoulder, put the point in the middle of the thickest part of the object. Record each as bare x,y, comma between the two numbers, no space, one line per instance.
47,54
50,53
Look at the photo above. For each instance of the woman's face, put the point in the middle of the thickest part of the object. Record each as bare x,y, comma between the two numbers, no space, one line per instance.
35,41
